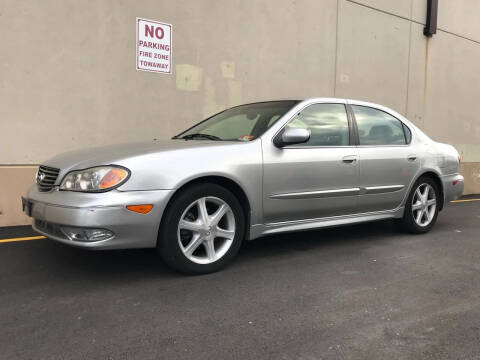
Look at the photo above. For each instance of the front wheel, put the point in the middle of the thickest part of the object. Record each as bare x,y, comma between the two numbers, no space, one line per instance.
421,208
202,229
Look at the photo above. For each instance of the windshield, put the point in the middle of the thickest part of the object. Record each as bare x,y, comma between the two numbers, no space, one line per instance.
240,123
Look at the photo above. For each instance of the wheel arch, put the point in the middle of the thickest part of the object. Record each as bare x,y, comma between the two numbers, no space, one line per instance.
436,178
225,182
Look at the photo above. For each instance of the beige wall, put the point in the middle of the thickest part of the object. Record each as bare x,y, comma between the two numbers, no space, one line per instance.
68,78
14,180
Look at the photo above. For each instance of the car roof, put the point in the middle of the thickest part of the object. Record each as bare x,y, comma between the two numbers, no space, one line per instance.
312,99
320,99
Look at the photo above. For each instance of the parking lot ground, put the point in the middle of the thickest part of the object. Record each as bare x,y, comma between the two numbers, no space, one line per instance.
16,232
357,292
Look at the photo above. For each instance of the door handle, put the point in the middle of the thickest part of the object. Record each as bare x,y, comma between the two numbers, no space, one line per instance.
412,157
349,159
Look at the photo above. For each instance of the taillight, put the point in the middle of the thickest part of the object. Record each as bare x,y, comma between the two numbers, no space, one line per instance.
459,159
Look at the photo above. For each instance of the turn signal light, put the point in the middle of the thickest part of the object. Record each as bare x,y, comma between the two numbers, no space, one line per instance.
141,209
112,178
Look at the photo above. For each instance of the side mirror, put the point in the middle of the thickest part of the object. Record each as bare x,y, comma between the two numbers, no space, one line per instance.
292,136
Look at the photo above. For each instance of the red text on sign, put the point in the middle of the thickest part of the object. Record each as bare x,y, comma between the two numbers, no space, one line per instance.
150,30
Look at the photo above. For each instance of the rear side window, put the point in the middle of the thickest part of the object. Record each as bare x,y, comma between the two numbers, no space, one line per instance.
327,123
376,127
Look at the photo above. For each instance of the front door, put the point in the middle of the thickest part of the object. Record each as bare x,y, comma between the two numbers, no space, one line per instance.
315,179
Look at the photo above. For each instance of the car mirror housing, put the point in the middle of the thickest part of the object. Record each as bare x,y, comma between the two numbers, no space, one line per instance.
292,136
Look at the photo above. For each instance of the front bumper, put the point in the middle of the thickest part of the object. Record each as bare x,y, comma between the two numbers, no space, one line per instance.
51,210
452,187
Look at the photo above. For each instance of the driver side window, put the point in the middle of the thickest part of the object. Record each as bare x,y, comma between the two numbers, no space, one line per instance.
327,123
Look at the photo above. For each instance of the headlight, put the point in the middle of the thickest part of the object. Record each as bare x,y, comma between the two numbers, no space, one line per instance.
96,179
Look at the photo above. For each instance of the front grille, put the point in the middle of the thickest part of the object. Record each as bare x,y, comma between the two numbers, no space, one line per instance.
46,177
49,228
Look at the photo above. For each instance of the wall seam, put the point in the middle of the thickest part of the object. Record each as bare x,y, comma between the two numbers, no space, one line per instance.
413,21
409,60
336,53
460,36
385,12
425,84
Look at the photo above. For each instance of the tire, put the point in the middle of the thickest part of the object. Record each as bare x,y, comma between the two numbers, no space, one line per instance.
420,215
210,233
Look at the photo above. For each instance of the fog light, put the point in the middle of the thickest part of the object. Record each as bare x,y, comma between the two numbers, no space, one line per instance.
86,235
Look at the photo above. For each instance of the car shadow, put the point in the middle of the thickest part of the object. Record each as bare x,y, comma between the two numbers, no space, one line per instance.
125,265
320,239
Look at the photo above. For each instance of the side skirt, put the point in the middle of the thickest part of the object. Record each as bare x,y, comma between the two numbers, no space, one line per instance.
259,230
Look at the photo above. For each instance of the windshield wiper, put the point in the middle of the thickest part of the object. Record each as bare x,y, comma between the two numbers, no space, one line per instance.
200,136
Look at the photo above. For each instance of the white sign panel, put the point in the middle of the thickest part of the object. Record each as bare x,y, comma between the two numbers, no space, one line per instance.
154,46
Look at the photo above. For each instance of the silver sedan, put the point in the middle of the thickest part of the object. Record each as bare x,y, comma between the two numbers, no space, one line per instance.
251,170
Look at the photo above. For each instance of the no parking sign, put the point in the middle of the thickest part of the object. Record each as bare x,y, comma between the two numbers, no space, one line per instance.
154,46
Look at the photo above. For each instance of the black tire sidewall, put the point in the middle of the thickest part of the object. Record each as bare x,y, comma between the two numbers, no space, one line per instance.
167,243
408,220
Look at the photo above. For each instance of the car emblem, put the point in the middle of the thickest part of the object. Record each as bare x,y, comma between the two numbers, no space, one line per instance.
40,177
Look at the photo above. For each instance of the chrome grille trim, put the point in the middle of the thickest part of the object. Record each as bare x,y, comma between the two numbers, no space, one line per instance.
50,171
46,177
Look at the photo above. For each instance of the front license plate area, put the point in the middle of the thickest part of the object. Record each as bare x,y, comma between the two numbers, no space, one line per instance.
27,206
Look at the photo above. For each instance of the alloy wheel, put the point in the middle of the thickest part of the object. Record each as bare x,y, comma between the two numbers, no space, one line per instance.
424,204
206,230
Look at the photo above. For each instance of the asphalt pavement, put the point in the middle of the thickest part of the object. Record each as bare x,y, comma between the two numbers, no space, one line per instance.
357,292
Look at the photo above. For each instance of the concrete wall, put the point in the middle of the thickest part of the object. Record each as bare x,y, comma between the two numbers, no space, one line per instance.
68,78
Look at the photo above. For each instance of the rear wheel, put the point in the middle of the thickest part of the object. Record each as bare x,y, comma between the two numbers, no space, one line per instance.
421,208
202,229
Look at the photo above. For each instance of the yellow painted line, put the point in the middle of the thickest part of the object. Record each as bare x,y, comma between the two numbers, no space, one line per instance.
22,239
464,200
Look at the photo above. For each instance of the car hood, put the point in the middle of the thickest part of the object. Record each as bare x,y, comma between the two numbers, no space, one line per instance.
115,154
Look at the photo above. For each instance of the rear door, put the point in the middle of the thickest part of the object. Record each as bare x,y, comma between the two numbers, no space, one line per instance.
387,161
315,179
